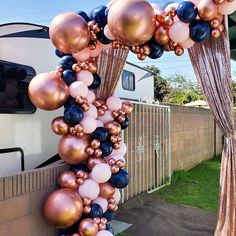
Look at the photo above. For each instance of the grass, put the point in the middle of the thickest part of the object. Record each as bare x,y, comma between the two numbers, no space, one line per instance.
198,187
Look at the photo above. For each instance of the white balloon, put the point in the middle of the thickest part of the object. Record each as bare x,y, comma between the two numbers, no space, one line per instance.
89,189
117,195
104,233
101,173
102,202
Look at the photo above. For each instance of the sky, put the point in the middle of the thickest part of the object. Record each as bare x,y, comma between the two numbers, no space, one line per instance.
43,11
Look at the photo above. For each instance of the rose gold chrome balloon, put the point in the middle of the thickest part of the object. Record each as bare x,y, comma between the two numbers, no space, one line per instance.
161,35
113,127
63,208
132,23
69,32
59,126
48,91
127,107
73,149
67,179
93,161
106,190
207,10
88,227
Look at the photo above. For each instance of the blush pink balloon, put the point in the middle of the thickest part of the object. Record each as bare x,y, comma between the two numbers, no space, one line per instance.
104,233
102,202
108,33
117,157
101,173
121,151
95,52
187,43
85,76
91,96
114,103
175,6
89,189
78,88
227,8
99,124
117,195
179,32
92,112
82,55
155,7
89,124
106,117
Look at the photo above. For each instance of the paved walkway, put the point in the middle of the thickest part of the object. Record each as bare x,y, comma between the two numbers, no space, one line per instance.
150,217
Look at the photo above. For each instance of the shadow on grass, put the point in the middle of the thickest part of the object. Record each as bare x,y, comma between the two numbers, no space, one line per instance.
197,187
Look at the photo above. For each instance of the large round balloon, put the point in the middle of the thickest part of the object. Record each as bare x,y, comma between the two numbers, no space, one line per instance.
73,149
133,23
48,91
63,208
69,32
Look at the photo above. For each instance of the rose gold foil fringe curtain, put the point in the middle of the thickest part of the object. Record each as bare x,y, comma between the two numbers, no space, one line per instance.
211,63
111,63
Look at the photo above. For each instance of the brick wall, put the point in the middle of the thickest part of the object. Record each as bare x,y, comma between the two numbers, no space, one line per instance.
22,195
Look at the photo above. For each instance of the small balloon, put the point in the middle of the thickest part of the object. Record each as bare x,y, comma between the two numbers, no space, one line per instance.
100,133
59,126
121,151
187,43
67,62
96,82
106,148
99,15
89,124
119,180
102,202
78,88
200,31
114,103
207,10
92,112
109,215
101,173
187,11
104,233
106,117
89,189
63,208
179,32
96,211
67,179
161,35
69,77
117,195
156,50
73,115
88,227
91,97
86,77
93,161
106,190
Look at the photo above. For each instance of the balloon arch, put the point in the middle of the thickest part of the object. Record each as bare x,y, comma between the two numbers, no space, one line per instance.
93,49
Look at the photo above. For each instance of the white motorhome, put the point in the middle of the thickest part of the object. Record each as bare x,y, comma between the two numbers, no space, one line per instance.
26,140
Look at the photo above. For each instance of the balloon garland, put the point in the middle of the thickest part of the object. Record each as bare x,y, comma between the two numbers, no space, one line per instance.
90,127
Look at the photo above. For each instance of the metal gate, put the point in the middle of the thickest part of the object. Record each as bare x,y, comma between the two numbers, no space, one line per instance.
148,158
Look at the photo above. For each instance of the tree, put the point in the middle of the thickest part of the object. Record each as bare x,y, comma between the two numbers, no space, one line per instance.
161,85
182,90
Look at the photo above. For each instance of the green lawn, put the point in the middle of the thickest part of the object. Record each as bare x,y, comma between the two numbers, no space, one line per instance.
198,187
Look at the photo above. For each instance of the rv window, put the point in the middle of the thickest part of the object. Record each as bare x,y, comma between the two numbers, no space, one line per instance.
128,80
14,82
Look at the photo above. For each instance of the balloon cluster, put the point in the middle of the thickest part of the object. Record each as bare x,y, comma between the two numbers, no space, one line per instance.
91,127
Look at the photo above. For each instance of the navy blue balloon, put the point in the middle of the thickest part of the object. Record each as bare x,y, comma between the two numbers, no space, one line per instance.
200,31
106,148
187,11
109,228
84,15
102,38
77,168
70,102
73,115
100,133
69,77
119,180
109,215
99,15
125,124
96,82
67,62
61,54
71,230
96,211
157,50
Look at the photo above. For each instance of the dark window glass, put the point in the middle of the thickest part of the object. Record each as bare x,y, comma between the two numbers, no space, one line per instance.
14,82
128,80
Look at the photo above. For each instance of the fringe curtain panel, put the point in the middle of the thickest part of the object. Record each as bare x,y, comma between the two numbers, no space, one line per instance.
211,63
